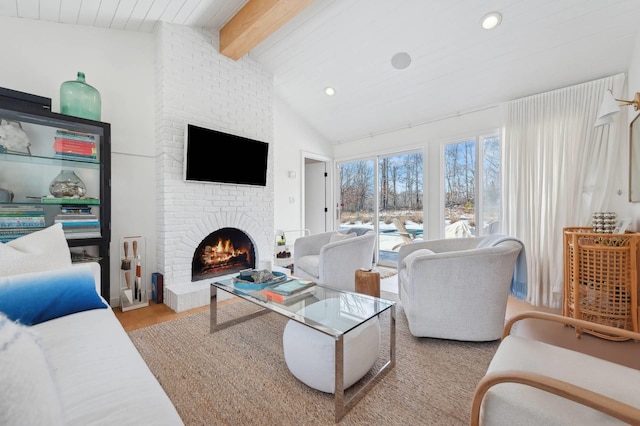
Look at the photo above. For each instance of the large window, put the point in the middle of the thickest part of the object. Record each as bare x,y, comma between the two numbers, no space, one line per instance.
472,187
384,194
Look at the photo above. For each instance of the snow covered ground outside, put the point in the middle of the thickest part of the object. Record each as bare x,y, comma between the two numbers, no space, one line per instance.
389,237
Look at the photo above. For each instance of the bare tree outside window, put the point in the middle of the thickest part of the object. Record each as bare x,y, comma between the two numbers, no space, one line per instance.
459,180
399,192
464,183
356,192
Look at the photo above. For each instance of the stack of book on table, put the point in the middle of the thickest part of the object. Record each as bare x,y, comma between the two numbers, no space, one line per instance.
78,222
290,291
17,221
75,145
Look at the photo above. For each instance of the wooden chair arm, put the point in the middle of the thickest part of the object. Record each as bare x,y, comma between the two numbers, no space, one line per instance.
604,404
569,321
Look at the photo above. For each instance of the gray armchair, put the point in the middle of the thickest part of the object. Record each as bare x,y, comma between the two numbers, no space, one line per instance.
332,258
453,289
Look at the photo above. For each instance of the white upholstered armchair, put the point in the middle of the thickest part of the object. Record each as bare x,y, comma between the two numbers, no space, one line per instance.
332,258
530,382
454,289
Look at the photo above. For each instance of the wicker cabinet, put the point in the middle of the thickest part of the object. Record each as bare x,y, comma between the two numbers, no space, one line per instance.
601,278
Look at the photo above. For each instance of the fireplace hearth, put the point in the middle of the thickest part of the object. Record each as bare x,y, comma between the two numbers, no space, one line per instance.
223,252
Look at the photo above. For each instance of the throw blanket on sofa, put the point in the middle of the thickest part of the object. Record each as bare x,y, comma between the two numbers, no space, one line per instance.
519,280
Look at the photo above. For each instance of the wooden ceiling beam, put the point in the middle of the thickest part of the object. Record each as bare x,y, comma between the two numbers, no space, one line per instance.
256,21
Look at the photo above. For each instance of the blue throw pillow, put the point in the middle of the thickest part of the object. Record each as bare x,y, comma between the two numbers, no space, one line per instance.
41,296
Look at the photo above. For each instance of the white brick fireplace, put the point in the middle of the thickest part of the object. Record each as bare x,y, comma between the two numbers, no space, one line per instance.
195,84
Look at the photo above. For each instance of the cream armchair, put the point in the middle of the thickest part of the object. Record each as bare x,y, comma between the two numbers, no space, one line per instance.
457,288
332,258
533,383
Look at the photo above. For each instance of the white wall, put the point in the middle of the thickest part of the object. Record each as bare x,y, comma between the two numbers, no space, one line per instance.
38,56
633,86
293,136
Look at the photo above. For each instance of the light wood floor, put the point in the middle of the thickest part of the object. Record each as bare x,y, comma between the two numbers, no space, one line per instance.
149,315
155,314
626,353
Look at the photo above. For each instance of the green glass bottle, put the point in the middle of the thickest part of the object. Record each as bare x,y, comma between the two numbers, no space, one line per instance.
79,99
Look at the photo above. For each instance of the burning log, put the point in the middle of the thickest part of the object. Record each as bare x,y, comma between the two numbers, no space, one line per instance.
223,254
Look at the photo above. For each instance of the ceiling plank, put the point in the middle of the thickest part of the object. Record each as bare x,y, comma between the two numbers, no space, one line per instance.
256,21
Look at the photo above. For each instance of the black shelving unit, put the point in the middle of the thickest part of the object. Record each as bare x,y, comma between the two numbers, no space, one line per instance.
28,172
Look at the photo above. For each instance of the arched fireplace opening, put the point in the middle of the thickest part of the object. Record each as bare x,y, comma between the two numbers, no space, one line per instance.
225,251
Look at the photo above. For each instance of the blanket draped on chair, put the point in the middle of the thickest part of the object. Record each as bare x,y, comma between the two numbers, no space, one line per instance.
519,280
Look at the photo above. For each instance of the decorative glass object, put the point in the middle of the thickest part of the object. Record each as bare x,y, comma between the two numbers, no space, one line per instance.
79,99
67,184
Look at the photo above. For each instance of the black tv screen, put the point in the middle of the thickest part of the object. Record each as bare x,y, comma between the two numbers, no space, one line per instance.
214,156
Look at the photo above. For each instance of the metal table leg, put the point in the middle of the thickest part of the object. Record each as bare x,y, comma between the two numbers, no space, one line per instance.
213,307
342,407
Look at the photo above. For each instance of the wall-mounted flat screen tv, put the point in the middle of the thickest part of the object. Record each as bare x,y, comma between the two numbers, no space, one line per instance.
214,156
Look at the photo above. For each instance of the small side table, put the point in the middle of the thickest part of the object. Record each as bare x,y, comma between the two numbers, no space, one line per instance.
368,282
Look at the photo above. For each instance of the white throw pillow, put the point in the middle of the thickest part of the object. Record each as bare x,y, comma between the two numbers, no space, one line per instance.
39,251
28,394
339,236
408,260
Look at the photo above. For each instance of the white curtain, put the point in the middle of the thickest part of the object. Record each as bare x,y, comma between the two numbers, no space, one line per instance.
558,171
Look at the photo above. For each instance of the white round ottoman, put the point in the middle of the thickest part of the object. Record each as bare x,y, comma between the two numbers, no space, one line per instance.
310,354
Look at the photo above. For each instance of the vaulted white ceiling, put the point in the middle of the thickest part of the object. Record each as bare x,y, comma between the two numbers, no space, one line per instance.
456,66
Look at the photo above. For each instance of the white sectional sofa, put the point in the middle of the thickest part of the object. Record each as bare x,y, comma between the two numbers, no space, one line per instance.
79,368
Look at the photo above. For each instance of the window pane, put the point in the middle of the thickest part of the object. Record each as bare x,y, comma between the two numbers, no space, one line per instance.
400,185
357,201
491,185
460,189
393,202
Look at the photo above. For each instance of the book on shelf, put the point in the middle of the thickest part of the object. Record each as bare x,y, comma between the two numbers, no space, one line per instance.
78,223
22,230
292,298
53,200
22,221
73,145
7,210
291,287
80,148
75,210
8,234
80,229
72,156
75,216
77,235
75,135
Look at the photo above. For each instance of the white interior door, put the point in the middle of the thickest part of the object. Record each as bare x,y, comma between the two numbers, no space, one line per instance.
317,218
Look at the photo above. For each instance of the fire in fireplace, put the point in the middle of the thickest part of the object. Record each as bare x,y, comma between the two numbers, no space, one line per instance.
225,251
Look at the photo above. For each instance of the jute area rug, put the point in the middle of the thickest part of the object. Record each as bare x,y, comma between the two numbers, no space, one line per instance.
238,376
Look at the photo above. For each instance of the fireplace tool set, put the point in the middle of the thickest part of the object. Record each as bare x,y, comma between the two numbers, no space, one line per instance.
133,293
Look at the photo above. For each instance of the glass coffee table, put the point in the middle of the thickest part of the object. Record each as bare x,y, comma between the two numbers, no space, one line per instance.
353,308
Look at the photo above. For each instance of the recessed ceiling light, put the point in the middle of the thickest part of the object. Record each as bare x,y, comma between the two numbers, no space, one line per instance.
330,91
491,20
401,60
